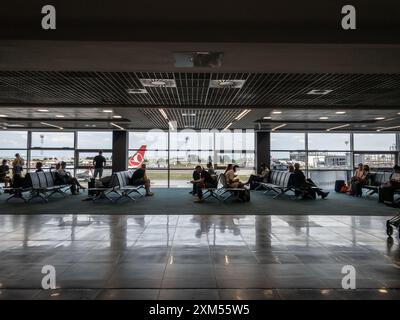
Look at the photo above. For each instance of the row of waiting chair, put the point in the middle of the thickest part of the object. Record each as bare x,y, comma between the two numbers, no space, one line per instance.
43,185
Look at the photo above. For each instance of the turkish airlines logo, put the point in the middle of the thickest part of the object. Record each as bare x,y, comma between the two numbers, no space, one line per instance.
137,159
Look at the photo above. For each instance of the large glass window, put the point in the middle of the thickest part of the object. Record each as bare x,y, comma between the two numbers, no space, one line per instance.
95,140
287,141
329,141
52,140
13,139
375,142
50,158
152,139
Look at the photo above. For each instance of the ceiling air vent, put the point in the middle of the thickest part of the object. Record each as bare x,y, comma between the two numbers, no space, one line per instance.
231,84
158,83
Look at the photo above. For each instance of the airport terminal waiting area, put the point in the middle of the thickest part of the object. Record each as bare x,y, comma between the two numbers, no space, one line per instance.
122,245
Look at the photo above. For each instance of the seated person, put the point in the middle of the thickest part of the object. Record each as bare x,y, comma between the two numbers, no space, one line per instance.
256,178
210,169
4,171
39,166
386,191
139,178
359,180
205,181
64,177
195,176
291,168
307,188
357,175
231,179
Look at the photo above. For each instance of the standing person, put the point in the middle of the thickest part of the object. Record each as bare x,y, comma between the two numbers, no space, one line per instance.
205,181
4,171
99,162
18,164
139,178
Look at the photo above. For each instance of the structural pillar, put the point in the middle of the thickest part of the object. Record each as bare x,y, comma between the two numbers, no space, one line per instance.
120,151
263,148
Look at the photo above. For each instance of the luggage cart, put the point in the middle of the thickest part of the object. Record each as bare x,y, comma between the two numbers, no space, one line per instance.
393,223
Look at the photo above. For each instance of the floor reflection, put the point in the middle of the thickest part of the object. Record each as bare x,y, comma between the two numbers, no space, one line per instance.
270,256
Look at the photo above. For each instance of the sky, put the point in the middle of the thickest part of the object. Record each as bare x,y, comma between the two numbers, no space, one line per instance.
189,139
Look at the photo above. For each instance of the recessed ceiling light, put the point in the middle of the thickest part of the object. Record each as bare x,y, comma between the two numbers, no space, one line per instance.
267,118
278,127
163,114
380,118
90,125
242,114
340,112
117,126
117,117
107,111
14,125
43,110
338,127
188,114
323,118
3,116
276,112
51,125
227,127
136,91
60,116
319,91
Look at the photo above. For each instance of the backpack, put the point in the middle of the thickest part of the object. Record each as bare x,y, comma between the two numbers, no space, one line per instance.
344,188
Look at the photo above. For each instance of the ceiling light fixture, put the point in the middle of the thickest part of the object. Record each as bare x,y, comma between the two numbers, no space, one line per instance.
276,112
136,91
380,118
323,118
117,126
278,127
242,114
107,111
3,116
60,116
51,125
338,127
319,91
267,118
43,110
340,112
158,83
163,114
227,127
117,117
188,114
388,128
172,125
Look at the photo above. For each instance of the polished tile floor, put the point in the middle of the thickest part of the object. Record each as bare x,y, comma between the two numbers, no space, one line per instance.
197,257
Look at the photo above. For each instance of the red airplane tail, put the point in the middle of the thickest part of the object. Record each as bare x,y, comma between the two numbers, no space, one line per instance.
137,159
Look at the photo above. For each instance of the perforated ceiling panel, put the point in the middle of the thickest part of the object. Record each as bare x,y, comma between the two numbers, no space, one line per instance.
193,89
